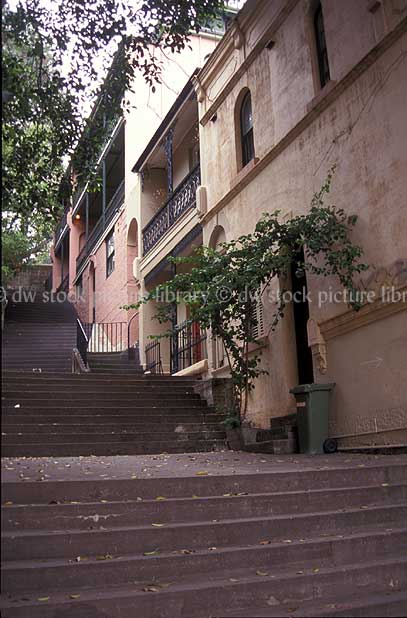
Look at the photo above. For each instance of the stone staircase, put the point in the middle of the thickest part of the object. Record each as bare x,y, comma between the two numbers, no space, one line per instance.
39,334
322,540
104,414
113,410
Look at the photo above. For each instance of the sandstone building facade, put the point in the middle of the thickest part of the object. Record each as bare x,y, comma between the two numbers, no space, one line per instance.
293,88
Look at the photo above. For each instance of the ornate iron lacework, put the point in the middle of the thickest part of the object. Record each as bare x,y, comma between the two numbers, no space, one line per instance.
101,225
183,199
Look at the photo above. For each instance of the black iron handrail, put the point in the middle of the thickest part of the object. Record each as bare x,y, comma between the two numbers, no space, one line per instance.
188,345
101,225
82,341
183,199
153,357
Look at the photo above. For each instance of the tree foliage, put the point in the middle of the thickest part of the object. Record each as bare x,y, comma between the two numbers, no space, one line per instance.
224,285
56,58
54,55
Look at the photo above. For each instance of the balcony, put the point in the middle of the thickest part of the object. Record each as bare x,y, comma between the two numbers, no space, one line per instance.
60,229
182,200
112,209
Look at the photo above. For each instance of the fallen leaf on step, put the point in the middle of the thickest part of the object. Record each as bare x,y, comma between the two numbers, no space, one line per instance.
158,525
262,573
43,598
186,551
134,476
287,541
212,548
139,499
151,589
104,557
151,553
265,542
17,405
315,570
195,497
300,572
385,484
233,580
161,498
8,503
201,473
74,596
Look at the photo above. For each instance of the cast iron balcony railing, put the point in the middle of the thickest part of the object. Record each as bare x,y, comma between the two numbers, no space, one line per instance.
60,228
183,199
112,208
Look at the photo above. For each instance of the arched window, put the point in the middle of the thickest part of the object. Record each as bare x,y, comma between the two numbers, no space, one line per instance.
322,52
246,129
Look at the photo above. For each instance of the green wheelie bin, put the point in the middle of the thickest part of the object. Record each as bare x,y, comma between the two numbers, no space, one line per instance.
312,417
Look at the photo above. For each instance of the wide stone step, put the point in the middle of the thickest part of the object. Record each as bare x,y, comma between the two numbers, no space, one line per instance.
366,604
86,515
205,485
142,427
238,561
198,597
100,435
108,448
88,400
139,418
174,536
93,388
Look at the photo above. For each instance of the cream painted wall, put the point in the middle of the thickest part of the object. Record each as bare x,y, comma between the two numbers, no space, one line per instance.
363,131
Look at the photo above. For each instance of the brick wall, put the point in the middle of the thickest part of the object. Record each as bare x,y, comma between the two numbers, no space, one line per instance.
115,290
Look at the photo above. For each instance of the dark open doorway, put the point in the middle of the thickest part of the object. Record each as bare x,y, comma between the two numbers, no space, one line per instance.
301,316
